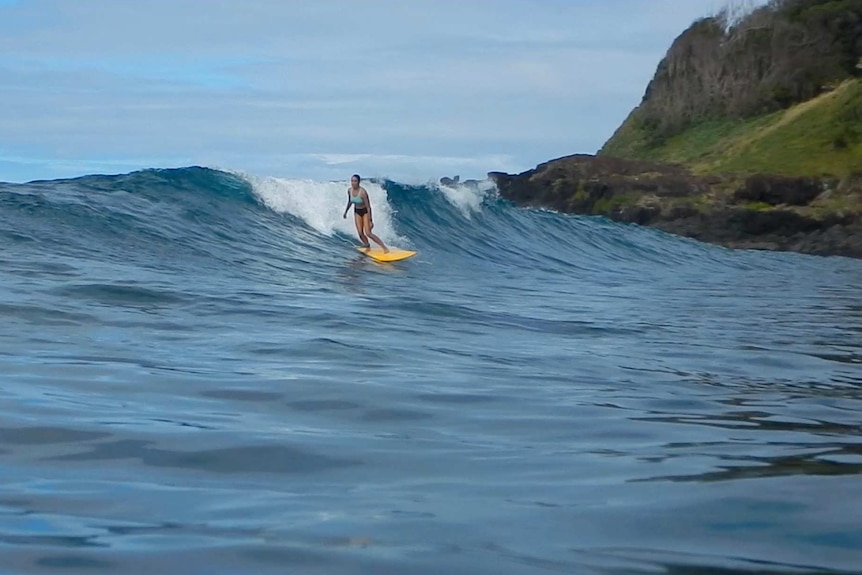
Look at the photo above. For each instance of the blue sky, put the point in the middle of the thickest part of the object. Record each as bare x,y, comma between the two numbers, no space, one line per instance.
407,89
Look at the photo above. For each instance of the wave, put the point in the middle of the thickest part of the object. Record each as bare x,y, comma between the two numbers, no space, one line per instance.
210,218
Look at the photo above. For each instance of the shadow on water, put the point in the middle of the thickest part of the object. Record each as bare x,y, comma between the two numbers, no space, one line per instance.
634,561
831,448
762,467
246,459
355,273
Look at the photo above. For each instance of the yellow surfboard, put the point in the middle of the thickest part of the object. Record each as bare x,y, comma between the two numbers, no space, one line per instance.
393,255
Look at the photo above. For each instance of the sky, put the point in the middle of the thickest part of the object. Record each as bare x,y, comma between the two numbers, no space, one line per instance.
319,89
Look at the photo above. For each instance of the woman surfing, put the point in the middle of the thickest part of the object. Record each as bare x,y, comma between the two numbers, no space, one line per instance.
358,197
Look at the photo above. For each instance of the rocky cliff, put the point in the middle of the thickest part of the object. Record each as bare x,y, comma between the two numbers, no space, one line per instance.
726,68
749,136
815,215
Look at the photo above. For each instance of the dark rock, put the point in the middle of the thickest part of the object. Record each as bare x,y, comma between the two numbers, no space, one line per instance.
778,190
456,181
706,208
641,215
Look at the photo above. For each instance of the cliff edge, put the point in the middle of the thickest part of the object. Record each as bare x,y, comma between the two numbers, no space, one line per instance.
749,135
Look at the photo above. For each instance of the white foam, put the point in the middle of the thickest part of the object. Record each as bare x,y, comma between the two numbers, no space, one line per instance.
466,197
321,204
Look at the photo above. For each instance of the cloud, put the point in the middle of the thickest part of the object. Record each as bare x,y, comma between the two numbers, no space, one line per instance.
424,85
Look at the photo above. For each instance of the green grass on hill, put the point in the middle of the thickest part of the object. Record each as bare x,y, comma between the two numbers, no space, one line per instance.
818,137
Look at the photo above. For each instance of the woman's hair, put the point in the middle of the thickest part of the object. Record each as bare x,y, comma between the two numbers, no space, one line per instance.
357,177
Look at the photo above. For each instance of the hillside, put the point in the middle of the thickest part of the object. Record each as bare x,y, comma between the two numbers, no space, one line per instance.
817,137
748,136
775,91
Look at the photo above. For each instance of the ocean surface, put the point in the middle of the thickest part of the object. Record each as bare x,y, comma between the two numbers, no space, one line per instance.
200,375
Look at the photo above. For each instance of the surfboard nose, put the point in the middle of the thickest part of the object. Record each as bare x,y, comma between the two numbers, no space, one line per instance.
393,255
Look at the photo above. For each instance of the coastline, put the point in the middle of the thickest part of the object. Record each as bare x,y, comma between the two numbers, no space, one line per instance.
810,215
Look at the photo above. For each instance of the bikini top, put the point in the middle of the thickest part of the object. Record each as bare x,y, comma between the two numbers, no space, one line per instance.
356,199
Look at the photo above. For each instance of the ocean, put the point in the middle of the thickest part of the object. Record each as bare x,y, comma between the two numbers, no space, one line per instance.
200,374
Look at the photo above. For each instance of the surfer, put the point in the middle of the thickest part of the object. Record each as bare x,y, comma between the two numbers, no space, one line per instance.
358,197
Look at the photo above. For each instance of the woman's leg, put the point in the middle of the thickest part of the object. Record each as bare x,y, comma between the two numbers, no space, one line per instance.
366,227
360,230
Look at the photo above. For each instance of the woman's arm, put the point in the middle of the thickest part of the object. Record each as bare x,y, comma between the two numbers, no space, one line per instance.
347,207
